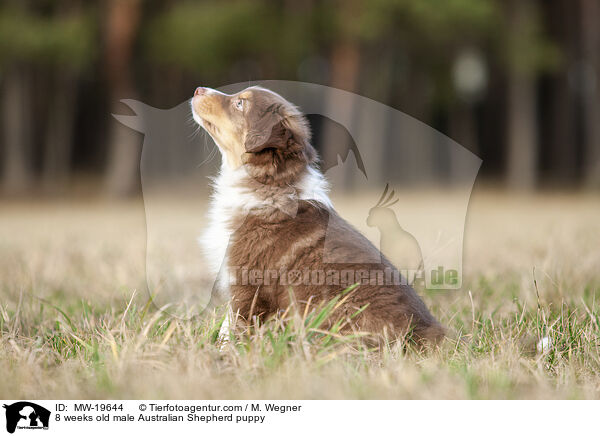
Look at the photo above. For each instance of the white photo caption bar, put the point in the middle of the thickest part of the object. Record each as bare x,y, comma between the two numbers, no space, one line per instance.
76,417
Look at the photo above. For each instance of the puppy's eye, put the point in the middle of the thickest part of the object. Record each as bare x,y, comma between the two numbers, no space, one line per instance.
239,104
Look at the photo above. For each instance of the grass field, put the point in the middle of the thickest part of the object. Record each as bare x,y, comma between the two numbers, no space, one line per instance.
75,318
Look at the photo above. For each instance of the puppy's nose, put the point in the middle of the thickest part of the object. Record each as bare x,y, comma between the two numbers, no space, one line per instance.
200,91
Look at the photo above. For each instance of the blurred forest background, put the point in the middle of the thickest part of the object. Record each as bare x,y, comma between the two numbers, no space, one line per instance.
515,81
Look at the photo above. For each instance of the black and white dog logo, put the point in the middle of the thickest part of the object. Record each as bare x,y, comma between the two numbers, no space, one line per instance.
26,415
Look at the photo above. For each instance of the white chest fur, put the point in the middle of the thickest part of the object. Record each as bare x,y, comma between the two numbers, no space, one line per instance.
233,199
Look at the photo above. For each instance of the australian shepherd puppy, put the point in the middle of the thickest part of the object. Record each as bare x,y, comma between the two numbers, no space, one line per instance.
270,215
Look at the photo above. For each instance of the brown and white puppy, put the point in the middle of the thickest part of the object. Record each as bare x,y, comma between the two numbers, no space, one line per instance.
270,215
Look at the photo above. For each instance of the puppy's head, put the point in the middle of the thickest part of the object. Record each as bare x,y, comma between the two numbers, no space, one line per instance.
256,128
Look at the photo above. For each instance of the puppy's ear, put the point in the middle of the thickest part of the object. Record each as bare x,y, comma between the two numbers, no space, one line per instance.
277,136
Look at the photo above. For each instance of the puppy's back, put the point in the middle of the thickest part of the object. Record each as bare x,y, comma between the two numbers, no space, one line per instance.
273,241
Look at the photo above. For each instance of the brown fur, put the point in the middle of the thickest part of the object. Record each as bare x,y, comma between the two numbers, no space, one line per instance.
273,139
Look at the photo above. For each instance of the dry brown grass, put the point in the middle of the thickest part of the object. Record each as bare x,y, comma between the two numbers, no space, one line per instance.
74,319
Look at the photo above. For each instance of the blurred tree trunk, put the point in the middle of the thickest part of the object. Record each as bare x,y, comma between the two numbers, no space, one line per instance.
17,135
590,44
373,134
522,135
462,127
58,140
562,159
344,64
417,148
59,134
120,30
522,112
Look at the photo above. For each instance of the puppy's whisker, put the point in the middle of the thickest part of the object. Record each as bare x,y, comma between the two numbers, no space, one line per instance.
209,158
190,120
194,133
